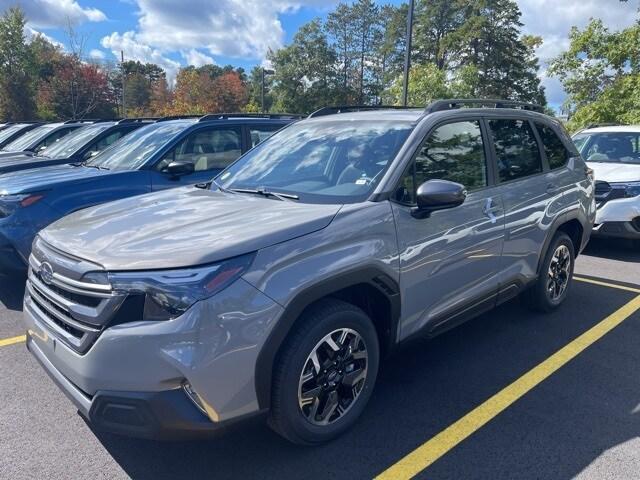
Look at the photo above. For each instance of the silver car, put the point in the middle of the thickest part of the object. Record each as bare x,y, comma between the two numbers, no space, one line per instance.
279,287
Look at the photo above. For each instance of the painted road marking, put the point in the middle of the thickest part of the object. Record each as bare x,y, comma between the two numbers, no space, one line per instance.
13,340
443,442
606,284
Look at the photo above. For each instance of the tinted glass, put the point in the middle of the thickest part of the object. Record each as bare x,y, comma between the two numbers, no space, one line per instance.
25,141
54,137
104,143
556,152
137,148
261,133
321,161
611,147
516,149
207,149
452,152
75,141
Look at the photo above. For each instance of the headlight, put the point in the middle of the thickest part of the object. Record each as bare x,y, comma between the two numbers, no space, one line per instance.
632,189
10,203
169,293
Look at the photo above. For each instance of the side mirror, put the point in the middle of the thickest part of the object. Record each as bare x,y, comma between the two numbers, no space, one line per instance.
180,169
435,195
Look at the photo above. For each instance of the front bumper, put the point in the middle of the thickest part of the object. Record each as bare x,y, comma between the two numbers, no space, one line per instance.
618,218
130,380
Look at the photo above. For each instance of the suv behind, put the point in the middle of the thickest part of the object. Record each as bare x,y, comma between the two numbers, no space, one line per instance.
613,152
40,138
78,146
14,131
278,287
159,155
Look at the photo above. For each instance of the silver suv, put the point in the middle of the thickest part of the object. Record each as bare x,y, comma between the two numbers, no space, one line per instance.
279,287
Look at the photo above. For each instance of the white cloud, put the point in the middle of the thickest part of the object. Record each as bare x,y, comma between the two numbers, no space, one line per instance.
553,19
135,50
55,13
97,54
196,58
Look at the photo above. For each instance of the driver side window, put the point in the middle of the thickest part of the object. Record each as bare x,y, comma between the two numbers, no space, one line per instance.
207,149
453,152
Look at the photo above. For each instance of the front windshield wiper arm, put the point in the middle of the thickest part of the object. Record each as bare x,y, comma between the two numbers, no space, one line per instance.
90,165
267,193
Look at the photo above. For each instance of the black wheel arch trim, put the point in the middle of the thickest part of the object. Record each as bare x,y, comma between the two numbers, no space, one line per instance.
576,214
371,276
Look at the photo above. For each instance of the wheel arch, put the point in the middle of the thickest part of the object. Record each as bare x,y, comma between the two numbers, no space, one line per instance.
357,287
574,224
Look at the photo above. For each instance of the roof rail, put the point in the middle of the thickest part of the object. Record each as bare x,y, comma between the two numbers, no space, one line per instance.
275,116
354,108
82,120
138,120
454,103
177,117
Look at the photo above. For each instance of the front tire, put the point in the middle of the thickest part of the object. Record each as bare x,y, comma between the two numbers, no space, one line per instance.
556,274
325,373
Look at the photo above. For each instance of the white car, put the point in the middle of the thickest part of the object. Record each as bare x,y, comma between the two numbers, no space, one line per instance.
613,152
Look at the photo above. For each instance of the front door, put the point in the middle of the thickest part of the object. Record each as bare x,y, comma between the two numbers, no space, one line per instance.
210,150
449,261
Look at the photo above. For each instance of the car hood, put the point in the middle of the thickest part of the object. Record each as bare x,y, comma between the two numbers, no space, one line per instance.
615,172
28,181
182,227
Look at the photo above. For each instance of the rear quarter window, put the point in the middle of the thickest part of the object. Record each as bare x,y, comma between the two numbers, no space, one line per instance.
557,154
516,149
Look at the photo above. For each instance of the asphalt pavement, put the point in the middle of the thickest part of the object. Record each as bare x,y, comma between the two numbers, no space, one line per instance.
582,421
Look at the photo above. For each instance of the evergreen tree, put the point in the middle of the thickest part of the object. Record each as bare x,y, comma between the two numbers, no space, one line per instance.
17,100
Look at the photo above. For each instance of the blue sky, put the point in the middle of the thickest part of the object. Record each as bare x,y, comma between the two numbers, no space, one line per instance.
174,33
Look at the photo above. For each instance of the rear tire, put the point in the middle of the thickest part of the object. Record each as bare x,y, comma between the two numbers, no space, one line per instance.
324,374
555,277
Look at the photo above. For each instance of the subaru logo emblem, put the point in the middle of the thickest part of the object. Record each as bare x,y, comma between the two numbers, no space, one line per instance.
46,273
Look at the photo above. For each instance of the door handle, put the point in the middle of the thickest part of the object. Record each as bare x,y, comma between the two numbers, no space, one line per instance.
490,210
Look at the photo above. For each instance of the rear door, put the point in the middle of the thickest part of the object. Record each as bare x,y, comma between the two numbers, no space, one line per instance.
531,196
209,149
449,261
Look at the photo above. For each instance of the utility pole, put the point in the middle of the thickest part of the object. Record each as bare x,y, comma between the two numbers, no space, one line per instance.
264,72
407,54
124,105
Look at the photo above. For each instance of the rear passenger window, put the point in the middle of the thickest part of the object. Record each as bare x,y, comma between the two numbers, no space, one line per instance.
260,133
454,152
516,148
556,152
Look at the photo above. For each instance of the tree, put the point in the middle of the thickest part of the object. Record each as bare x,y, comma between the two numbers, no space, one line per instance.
426,83
16,69
600,72
230,93
341,30
305,72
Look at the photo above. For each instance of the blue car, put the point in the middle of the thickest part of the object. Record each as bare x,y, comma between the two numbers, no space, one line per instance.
78,146
164,154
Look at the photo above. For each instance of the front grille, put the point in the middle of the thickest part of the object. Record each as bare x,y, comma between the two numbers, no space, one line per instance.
74,310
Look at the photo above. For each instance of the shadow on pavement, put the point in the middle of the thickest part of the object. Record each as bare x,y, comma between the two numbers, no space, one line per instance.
12,291
613,249
423,389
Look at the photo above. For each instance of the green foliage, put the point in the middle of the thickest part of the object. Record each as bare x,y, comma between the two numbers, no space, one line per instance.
16,69
601,74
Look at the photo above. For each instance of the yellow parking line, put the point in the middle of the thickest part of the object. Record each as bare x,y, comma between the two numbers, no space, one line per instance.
443,442
606,284
13,340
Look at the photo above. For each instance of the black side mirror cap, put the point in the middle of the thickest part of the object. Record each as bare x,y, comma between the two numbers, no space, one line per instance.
435,195
180,169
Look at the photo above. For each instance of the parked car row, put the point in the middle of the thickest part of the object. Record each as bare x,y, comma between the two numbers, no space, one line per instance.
288,265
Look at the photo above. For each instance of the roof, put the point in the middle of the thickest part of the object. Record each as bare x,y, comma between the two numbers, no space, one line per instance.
402,115
612,129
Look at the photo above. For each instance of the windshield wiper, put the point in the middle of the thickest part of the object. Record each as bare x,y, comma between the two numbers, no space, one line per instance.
90,165
267,193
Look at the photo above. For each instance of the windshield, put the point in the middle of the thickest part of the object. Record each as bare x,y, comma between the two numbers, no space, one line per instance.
137,147
74,141
7,132
28,139
321,162
609,147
